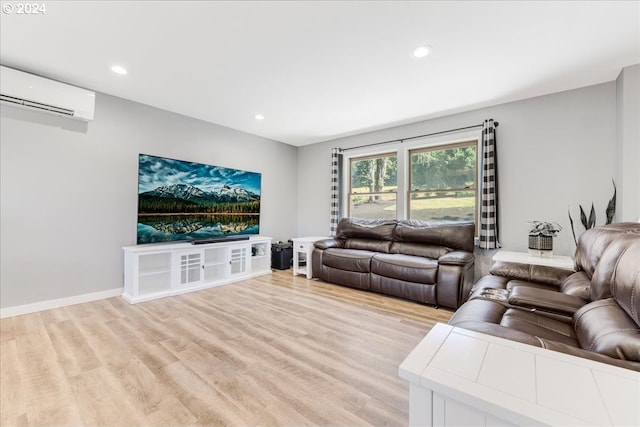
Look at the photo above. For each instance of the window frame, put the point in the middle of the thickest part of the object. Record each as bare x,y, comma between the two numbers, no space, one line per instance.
442,147
402,148
349,192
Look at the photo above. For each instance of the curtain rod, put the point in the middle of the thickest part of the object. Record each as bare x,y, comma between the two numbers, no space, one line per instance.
402,140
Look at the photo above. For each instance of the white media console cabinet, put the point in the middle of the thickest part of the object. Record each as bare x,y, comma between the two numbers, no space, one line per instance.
160,270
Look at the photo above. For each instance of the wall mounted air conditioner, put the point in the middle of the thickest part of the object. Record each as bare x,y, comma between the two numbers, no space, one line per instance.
25,90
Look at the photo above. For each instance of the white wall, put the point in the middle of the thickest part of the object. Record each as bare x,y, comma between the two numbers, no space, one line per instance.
628,143
68,191
554,152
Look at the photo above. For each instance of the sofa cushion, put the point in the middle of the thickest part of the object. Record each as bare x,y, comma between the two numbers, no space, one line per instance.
626,283
526,283
374,229
604,327
531,273
612,326
353,279
403,289
580,352
454,236
540,326
368,245
496,318
405,267
604,273
417,249
592,244
348,259
578,285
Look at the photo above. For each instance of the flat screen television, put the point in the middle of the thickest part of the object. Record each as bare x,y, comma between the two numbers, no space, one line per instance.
180,200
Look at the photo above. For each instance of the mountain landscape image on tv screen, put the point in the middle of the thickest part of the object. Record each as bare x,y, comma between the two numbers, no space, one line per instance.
180,200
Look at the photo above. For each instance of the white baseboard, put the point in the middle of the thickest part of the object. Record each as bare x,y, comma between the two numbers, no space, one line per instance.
56,303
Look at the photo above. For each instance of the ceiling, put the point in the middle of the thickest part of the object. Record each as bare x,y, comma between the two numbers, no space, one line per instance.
322,70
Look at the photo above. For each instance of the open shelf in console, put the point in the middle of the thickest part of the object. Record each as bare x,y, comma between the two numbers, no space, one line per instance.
155,271
158,263
154,283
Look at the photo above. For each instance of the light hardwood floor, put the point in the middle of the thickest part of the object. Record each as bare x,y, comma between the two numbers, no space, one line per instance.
276,350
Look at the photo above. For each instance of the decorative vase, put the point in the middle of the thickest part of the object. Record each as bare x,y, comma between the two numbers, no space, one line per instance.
541,245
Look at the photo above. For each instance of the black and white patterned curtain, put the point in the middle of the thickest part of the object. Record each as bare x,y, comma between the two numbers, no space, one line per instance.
489,195
336,168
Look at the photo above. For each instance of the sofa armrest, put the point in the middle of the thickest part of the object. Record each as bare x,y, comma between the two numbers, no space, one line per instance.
329,243
455,278
456,258
545,300
532,273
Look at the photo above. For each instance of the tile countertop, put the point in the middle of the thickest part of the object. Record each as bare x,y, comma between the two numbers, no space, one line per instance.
559,261
522,384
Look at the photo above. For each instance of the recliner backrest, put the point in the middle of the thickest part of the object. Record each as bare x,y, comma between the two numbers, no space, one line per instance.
592,244
368,229
454,236
372,245
592,250
626,280
411,237
603,276
611,326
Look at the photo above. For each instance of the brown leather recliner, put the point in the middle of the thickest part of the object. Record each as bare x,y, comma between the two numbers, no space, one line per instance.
591,246
424,262
592,313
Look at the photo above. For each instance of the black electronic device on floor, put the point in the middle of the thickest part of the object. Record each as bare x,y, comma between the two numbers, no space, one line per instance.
281,255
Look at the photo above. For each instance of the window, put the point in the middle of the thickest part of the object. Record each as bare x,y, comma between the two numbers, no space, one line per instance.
430,179
443,183
373,186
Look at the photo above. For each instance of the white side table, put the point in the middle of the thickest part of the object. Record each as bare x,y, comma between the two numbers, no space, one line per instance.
460,377
302,249
558,261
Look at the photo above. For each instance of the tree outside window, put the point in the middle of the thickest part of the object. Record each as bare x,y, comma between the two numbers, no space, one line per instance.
373,186
443,183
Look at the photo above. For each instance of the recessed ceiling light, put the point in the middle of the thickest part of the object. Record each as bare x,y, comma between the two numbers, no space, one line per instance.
422,51
118,69
258,117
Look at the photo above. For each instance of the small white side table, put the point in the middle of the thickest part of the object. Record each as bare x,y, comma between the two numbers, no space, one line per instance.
558,261
302,249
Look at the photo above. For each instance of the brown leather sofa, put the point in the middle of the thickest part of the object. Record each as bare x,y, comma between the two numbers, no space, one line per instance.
420,261
593,312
